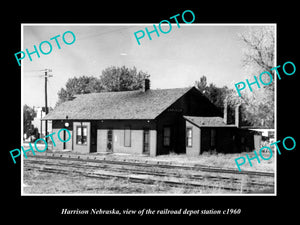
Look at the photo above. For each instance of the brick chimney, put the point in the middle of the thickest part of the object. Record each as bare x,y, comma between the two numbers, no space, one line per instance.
146,84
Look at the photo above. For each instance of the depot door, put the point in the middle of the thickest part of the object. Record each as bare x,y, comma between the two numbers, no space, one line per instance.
93,147
146,142
109,146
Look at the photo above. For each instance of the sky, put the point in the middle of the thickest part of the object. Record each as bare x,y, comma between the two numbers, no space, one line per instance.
173,60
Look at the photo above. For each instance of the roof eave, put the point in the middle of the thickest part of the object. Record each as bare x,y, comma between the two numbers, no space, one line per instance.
216,126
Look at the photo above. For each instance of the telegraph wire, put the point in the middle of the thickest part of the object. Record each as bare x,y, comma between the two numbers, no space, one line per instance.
96,35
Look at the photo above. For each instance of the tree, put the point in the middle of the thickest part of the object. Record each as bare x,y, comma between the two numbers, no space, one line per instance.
28,115
122,78
215,94
218,96
259,48
80,85
201,84
112,79
258,57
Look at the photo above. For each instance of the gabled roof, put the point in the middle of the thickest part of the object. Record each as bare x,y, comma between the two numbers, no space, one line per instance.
207,121
118,105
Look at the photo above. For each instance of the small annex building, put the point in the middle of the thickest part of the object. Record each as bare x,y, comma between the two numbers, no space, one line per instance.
147,121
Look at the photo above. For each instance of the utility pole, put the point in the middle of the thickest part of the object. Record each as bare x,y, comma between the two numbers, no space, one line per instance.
46,104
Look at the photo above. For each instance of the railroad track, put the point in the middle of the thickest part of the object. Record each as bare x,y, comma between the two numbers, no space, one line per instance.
160,165
150,174
149,171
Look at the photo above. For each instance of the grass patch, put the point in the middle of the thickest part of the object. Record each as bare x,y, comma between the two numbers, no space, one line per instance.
48,183
222,160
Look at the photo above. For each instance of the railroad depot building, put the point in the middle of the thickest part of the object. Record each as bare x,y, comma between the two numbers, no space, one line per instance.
146,121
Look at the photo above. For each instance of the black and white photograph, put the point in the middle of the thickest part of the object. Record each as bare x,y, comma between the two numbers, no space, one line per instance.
144,109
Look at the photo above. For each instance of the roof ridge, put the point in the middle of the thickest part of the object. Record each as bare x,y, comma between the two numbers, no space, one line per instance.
119,105
138,90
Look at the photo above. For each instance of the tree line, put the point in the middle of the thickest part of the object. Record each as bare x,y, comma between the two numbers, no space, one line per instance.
112,79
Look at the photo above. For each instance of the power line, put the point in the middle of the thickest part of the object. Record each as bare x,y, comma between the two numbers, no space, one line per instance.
28,71
34,76
103,33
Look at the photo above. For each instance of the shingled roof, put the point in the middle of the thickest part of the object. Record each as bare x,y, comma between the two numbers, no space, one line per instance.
118,105
208,121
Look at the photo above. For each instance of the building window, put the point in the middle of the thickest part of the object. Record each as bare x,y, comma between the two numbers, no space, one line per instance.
146,141
213,136
167,136
189,135
81,135
127,137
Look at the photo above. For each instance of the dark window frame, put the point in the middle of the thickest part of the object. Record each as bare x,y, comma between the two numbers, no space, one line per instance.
83,139
187,137
167,137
